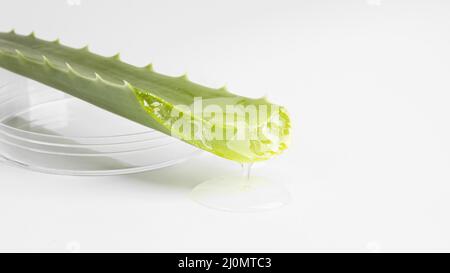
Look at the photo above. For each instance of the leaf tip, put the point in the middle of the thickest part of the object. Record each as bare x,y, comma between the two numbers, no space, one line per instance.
85,48
46,61
32,35
184,77
19,53
149,67
70,69
126,84
98,77
116,56
262,99
224,88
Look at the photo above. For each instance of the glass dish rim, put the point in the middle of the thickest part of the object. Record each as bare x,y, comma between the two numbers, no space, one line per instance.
112,137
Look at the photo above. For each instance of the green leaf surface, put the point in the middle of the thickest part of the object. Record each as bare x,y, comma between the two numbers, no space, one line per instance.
145,96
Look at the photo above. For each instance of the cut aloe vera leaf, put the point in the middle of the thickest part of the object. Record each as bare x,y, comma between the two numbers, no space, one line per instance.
164,103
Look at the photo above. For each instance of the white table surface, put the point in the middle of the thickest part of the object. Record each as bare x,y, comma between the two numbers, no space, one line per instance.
366,83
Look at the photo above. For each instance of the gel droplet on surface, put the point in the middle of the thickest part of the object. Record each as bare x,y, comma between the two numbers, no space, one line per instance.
241,194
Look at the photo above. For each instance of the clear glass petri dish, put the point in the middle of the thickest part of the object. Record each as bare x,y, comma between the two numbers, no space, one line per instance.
43,129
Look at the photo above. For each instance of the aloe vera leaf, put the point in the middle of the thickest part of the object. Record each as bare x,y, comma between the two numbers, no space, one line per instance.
145,96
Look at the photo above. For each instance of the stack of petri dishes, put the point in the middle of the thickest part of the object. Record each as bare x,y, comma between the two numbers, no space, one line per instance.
46,130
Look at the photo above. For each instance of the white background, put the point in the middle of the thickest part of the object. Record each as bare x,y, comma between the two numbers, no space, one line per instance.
367,85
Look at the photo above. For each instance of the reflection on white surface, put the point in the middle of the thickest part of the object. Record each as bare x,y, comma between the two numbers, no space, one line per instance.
245,193
240,194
